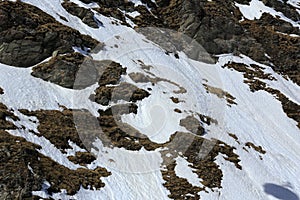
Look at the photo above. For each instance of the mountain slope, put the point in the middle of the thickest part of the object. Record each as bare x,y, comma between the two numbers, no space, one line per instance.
107,100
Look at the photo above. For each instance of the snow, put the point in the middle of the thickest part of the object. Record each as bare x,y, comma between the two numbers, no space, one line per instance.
48,149
257,8
137,2
135,175
26,91
184,170
133,14
295,3
258,117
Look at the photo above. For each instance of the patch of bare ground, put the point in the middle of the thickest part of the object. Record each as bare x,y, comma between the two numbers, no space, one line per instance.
221,94
23,170
176,100
234,137
259,149
207,119
82,158
60,69
283,49
142,78
121,91
190,147
5,114
254,77
193,125
56,126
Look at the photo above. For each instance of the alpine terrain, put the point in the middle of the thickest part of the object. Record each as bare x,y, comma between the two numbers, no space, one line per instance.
150,99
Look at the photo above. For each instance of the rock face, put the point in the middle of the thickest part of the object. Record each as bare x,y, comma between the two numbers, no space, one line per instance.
28,35
23,170
60,70
219,28
86,15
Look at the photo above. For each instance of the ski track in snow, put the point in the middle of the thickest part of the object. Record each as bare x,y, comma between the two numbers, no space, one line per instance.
258,117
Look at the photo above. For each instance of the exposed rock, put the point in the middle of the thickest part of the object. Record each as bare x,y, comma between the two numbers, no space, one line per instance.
23,170
251,76
86,15
58,127
217,26
234,137
282,6
282,49
60,70
207,119
256,148
220,93
82,158
29,35
193,125
1,91
5,114
142,78
177,110
204,166
124,91
175,100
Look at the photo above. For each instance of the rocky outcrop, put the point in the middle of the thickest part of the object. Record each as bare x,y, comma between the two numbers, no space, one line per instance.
23,170
86,15
255,77
193,125
53,123
4,115
82,158
218,27
282,48
28,35
124,91
60,70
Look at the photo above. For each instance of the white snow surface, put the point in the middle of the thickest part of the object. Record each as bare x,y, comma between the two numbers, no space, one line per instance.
183,170
257,8
258,117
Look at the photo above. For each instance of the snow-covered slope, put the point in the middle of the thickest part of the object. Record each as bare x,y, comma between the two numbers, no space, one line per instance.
265,139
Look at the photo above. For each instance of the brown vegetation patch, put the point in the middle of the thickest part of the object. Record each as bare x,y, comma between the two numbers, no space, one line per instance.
56,126
23,170
124,91
82,158
142,78
289,107
254,77
221,94
282,48
234,137
4,115
207,119
203,164
259,149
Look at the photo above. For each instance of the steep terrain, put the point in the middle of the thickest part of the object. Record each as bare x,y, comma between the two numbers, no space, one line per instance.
150,99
